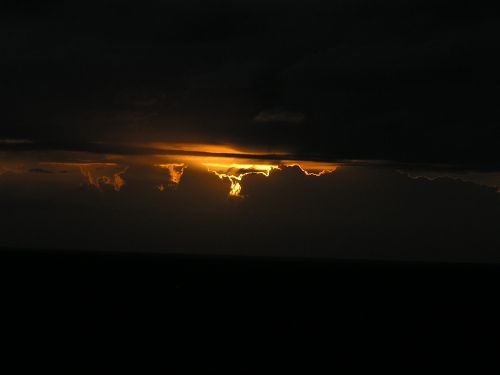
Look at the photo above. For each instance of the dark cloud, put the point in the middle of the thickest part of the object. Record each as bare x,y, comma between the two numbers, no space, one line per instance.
40,170
279,116
352,212
405,80
485,178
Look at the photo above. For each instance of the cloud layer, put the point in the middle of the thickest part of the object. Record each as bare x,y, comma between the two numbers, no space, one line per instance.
354,212
402,80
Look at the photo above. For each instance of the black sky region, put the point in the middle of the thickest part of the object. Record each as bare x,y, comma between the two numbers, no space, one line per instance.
399,80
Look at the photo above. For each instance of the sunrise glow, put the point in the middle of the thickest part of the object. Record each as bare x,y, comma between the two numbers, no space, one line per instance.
235,173
311,168
115,180
175,171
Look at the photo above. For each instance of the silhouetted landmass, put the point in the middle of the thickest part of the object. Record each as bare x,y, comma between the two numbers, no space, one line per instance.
108,311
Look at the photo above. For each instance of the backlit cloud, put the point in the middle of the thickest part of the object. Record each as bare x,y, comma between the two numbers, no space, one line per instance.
175,171
94,177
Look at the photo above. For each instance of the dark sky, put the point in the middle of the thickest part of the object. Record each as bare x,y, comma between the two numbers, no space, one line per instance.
402,80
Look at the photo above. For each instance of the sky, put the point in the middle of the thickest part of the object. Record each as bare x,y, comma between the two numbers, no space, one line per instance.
251,127
408,80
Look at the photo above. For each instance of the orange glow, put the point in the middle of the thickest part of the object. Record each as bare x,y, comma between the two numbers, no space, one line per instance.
194,147
235,173
89,171
116,180
9,168
234,169
226,162
175,171
206,148
312,168
79,165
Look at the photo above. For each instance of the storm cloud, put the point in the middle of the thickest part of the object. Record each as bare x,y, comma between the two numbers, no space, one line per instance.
402,80
353,212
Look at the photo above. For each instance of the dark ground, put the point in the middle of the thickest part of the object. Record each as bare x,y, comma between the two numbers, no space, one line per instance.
110,311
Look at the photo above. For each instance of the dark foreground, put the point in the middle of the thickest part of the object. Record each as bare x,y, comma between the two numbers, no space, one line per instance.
109,311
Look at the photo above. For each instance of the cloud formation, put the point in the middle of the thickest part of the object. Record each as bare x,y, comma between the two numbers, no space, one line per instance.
389,80
94,177
354,212
175,171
